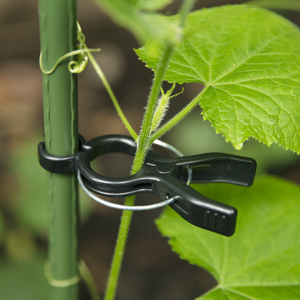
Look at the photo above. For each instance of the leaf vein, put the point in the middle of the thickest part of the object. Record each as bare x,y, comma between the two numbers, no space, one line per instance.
212,257
261,284
242,294
256,80
191,67
248,58
261,262
255,103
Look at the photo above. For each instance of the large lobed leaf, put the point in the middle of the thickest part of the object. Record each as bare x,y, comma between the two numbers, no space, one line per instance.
261,260
249,59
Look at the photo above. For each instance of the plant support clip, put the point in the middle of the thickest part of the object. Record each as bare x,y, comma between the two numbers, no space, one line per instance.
165,178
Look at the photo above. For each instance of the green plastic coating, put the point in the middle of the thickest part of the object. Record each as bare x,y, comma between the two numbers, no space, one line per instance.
60,98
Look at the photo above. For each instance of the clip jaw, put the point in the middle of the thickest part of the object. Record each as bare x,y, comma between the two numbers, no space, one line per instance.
211,167
163,177
198,209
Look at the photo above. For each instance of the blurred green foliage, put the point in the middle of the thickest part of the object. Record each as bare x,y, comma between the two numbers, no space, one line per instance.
23,280
21,265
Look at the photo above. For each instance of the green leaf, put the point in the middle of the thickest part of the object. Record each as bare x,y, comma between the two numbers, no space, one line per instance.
261,260
249,60
146,26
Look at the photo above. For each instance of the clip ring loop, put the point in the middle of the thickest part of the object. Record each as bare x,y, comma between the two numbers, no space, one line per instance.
120,206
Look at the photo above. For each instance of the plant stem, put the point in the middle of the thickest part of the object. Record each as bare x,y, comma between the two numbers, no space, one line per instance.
58,37
143,144
137,164
89,281
177,118
111,95
185,9
143,141
119,251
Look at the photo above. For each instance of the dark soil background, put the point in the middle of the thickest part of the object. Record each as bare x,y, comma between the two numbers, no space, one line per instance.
151,270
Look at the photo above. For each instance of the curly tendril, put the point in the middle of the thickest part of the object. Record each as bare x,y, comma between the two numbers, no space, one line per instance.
82,52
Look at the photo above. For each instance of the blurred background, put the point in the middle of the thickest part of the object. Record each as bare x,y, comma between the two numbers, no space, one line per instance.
151,270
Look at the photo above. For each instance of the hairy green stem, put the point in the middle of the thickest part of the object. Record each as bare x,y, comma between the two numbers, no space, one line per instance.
137,164
177,118
185,9
119,251
143,141
142,147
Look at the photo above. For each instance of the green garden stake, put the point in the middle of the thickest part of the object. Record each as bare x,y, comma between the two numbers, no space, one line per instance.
58,33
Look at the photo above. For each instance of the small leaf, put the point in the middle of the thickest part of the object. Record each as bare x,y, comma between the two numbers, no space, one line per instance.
249,60
162,107
146,26
261,260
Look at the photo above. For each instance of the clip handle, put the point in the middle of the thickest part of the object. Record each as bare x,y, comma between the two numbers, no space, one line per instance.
218,167
198,209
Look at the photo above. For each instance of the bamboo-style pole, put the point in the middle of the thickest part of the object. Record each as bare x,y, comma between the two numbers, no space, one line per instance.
58,37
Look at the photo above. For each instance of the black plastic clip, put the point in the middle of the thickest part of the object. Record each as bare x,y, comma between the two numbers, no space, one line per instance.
163,177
